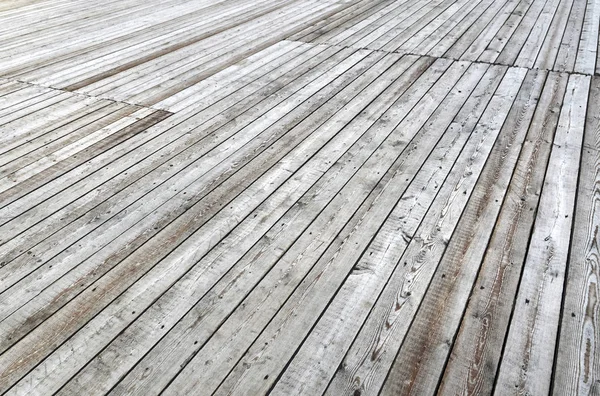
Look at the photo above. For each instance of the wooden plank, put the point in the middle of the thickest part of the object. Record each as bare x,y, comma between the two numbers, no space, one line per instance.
285,28
518,40
578,360
441,311
85,39
34,120
284,333
532,47
357,362
441,21
549,50
566,57
448,26
472,365
373,25
91,71
433,240
108,137
528,355
30,105
185,254
461,38
588,42
340,32
402,286
232,78
191,179
69,129
153,39
502,37
223,207
212,118
494,33
157,69
357,10
415,22
81,147
400,25
370,32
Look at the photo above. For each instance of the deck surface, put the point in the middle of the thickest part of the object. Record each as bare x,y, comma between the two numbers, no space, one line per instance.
354,197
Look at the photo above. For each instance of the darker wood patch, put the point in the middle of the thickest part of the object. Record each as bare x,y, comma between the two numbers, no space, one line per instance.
62,167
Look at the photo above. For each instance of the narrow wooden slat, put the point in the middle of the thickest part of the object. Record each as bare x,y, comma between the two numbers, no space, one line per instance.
471,29
439,314
180,228
342,197
549,50
416,21
502,37
588,42
450,25
454,11
493,31
521,35
283,333
566,57
530,50
358,362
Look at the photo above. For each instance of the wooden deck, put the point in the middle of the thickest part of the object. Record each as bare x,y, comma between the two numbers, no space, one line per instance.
341,197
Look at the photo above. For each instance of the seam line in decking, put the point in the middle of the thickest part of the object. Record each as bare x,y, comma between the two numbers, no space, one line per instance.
358,48
82,94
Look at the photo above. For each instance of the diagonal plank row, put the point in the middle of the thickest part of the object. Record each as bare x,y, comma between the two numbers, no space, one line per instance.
143,52
313,219
560,35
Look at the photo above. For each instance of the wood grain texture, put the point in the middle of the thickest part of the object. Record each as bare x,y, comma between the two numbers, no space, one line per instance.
308,197
434,327
472,366
527,360
578,359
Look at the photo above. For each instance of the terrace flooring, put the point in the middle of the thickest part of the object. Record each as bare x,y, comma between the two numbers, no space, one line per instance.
359,197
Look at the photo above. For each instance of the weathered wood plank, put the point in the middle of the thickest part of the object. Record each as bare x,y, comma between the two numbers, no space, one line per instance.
552,41
566,57
588,42
227,200
214,221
